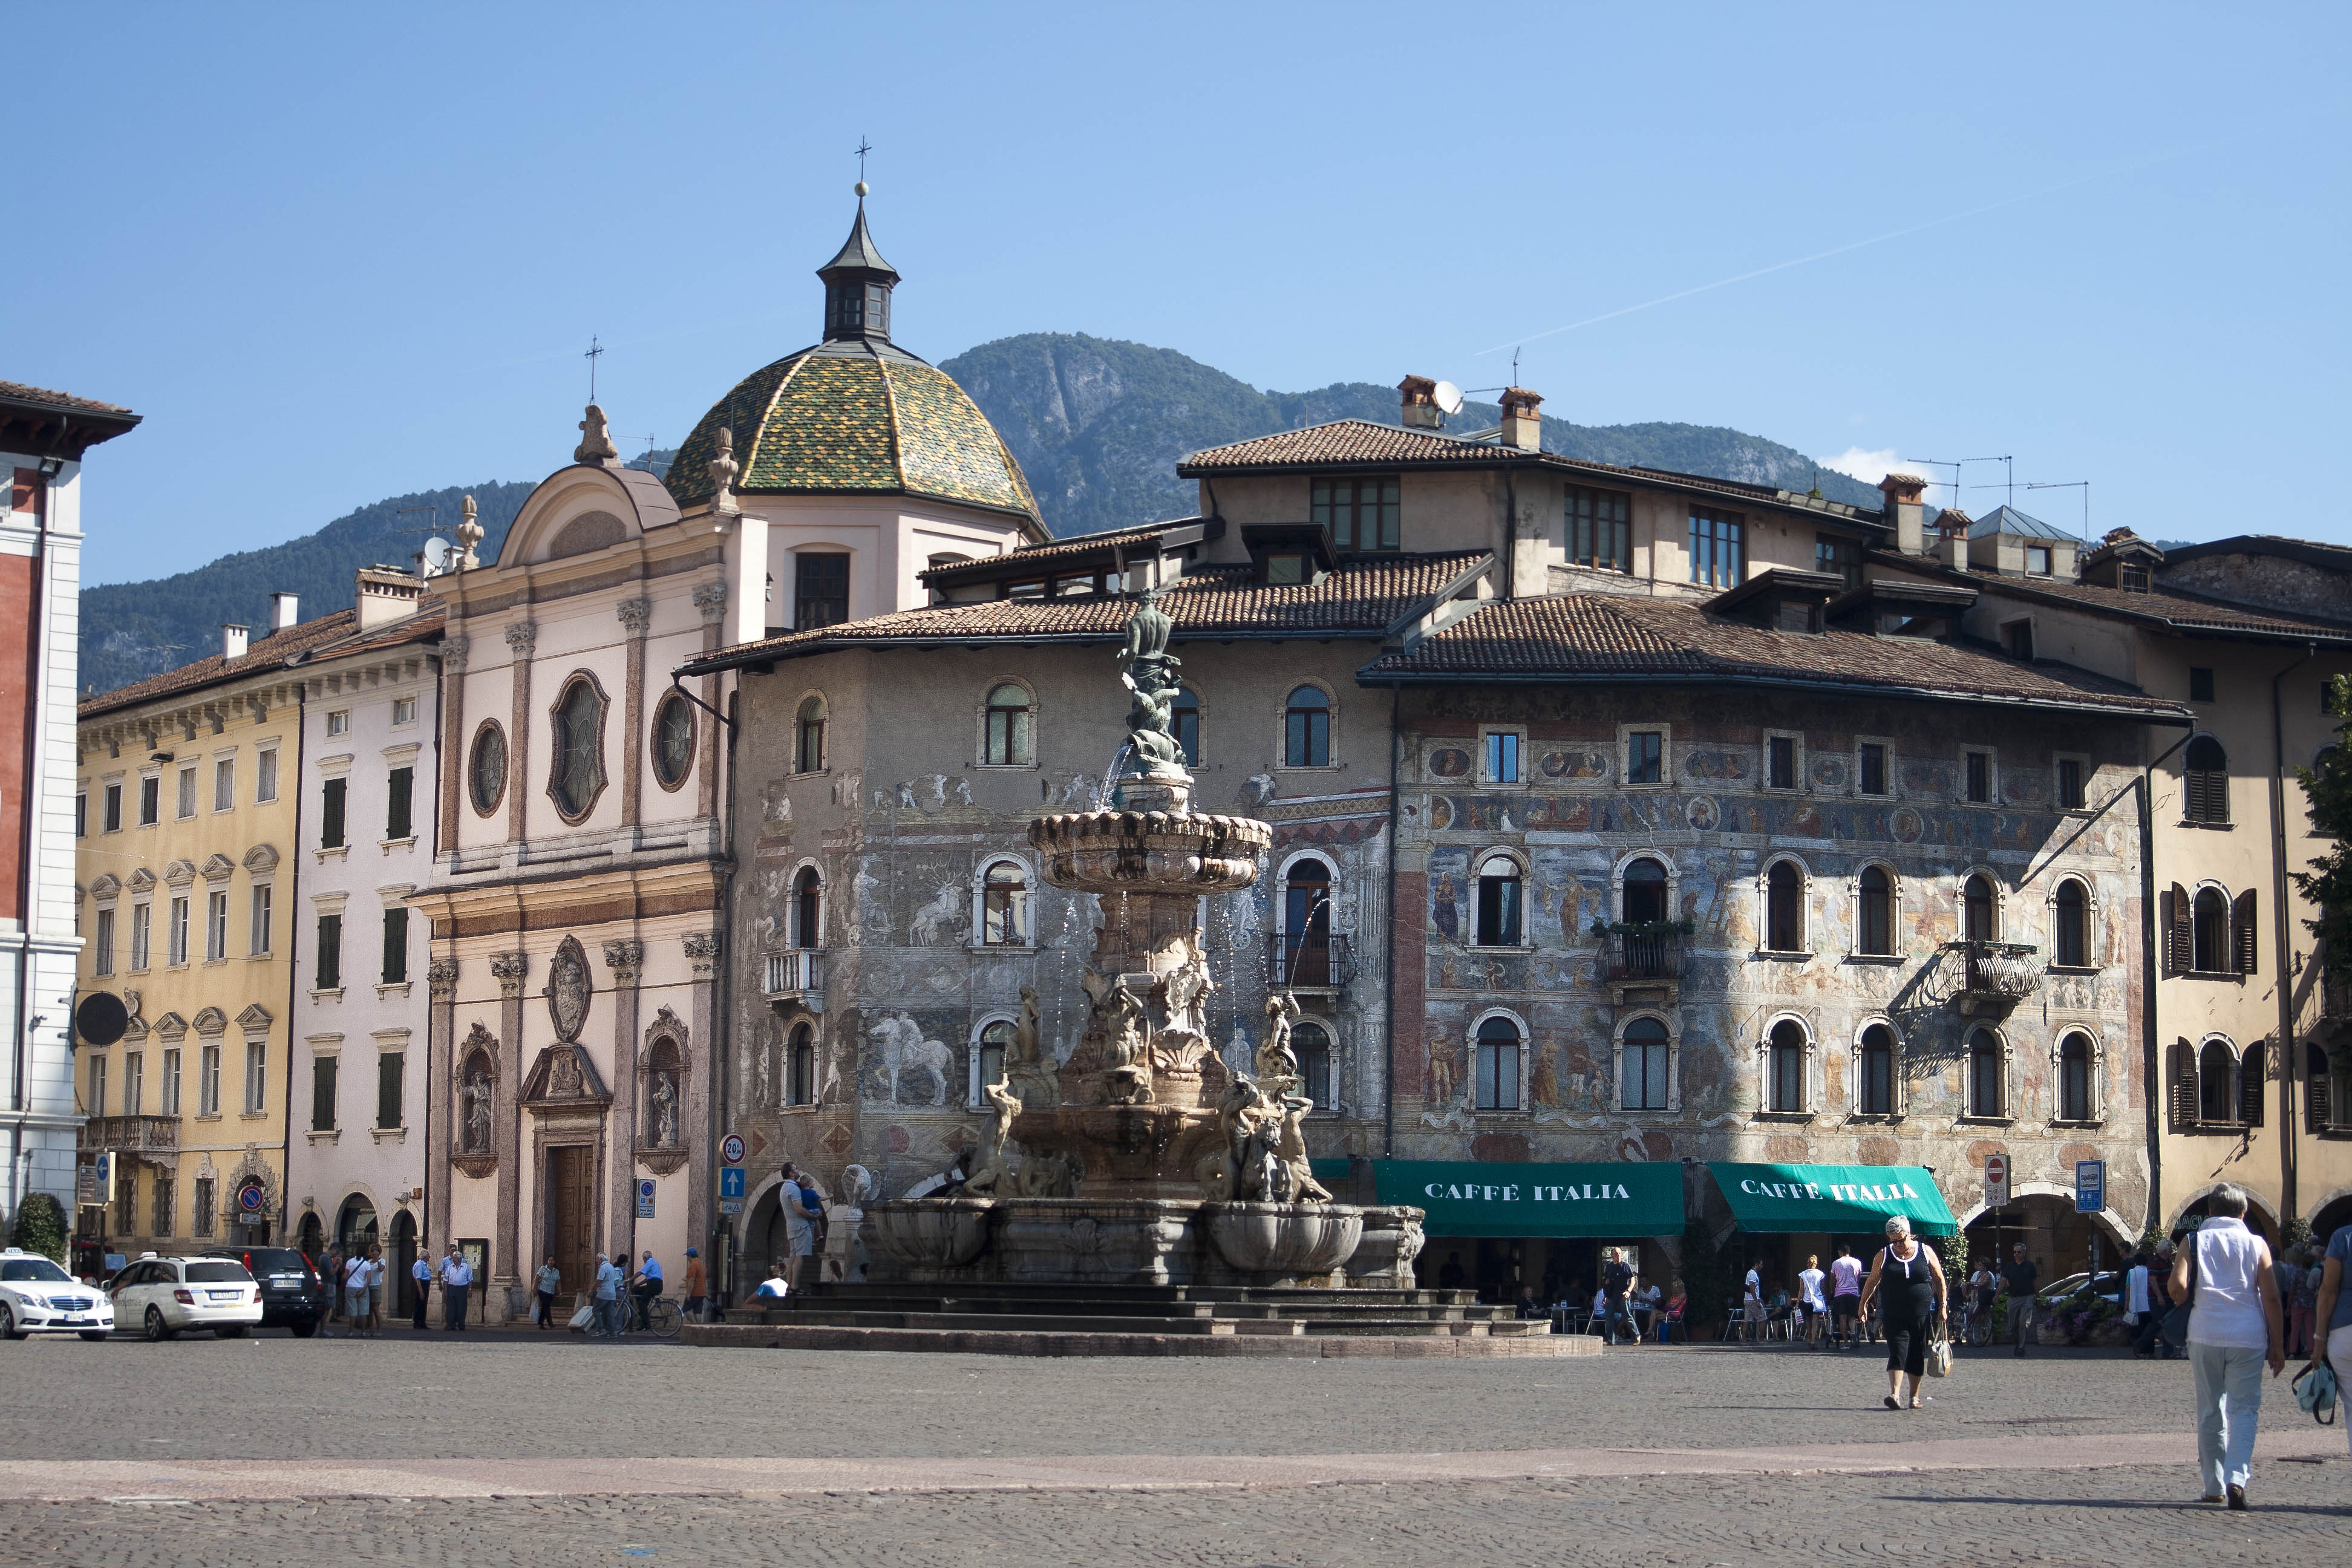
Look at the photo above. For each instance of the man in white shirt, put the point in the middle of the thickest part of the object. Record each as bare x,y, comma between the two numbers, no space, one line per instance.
775,1288
456,1275
800,1226
1752,1305
421,1272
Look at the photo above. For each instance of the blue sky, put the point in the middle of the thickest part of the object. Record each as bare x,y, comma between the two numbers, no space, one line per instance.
334,254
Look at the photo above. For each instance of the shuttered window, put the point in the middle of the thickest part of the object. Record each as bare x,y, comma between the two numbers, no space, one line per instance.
330,815
2205,782
2243,943
2250,1088
398,822
2179,949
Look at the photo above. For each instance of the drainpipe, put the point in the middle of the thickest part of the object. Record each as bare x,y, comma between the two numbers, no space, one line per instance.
36,715
1388,946
2151,1076
1510,535
2282,941
723,1030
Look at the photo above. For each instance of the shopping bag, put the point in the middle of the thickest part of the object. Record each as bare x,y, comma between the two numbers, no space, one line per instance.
582,1318
1939,1351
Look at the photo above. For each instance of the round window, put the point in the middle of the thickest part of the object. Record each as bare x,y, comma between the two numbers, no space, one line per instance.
673,740
486,774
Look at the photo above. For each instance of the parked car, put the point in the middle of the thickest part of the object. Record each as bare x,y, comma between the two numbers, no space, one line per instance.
37,1297
293,1296
164,1295
2108,1284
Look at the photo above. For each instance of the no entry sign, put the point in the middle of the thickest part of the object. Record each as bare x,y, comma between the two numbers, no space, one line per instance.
1997,1181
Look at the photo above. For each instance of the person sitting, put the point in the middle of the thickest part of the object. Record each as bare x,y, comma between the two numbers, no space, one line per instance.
1670,1319
1530,1309
775,1288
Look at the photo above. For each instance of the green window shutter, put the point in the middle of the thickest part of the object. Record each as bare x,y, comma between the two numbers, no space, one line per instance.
395,946
322,1094
331,952
330,815
397,822
388,1069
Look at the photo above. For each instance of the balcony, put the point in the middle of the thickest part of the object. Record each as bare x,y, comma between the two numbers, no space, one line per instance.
1996,975
1311,963
795,974
131,1135
1645,957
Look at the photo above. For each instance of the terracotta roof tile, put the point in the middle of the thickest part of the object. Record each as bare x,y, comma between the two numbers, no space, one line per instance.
66,400
1580,636
2158,605
1045,557
263,655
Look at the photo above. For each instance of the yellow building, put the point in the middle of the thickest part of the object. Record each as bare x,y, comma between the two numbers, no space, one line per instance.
186,873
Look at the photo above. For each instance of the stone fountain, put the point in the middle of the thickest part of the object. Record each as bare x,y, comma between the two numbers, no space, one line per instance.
1142,1159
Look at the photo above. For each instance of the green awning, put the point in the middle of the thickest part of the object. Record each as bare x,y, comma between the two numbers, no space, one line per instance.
1474,1197
1834,1200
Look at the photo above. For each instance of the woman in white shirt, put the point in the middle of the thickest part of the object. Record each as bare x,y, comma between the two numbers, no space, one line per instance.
2224,1273
1810,1304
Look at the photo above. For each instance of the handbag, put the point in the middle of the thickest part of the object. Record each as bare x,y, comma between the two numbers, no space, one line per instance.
2314,1391
1939,1351
2175,1321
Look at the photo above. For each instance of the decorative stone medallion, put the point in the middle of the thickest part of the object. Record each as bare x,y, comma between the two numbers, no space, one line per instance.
570,985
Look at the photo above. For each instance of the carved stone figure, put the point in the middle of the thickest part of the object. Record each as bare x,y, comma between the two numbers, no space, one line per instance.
1118,1017
568,986
563,1078
1291,1150
1278,1064
1029,1072
1147,630
596,439
988,1172
722,469
474,1097
665,1110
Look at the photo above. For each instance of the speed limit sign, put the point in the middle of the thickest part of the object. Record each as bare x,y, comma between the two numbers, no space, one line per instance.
1996,1181
731,1148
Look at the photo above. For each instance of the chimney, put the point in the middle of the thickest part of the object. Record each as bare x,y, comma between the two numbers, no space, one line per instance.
386,594
1421,411
1952,540
233,641
1906,512
1522,426
285,610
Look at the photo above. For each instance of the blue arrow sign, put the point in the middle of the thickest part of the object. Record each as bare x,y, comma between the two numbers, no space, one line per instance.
730,1182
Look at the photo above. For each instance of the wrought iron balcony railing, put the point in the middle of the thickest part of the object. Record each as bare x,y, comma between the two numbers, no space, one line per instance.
1998,974
1309,963
1645,955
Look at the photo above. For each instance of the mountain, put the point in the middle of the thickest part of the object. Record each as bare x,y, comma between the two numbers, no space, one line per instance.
1097,424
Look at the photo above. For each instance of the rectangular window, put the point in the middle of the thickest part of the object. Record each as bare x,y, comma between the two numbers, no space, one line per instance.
322,1094
199,1218
1645,757
167,1085
1873,768
1837,557
395,946
81,814
265,776
215,926
110,814
820,590
396,818
165,1194
403,710
141,922
94,1103
339,722
1716,557
102,951
1502,758
126,1197
1980,781
330,954
1600,528
2070,783
209,1081
175,934
257,1075
390,1067
1362,514
330,814
1780,762
151,800
2037,560
187,791
2132,579
258,936
2200,684
2018,638
1498,1074
224,784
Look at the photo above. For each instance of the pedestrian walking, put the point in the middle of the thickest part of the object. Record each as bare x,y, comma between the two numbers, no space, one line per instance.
420,1274
608,1298
800,1227
2302,1305
1912,1278
1845,1295
331,1274
2138,1307
550,1281
376,1273
2225,1273
1809,1305
2017,1280
1616,1279
356,1292
697,1285
456,1275
2334,1309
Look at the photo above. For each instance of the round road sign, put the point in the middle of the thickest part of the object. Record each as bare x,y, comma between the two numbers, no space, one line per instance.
1996,1170
732,1149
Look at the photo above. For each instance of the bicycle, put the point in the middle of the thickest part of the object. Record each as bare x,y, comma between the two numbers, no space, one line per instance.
662,1318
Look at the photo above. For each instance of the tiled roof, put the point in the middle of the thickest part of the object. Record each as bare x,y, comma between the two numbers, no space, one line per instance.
1045,557
851,417
1605,636
426,626
1362,598
65,400
261,656
2159,605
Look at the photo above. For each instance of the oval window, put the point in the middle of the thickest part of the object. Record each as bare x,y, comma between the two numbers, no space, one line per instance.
576,772
673,740
486,774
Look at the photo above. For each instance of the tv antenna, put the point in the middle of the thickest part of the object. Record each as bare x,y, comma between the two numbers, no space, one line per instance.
2082,485
2010,467
433,513
1944,463
595,352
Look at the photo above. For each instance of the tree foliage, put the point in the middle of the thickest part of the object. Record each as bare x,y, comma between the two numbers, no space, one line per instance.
2328,883
41,1227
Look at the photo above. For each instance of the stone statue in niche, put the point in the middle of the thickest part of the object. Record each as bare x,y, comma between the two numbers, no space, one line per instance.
1278,1064
665,1108
1030,1073
473,1097
569,988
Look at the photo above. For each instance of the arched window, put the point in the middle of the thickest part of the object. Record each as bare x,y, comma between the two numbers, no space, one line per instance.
2217,1084
2205,781
1645,892
1185,714
1307,729
2071,938
1498,901
664,1114
2210,933
800,1067
808,909
2075,1061
1643,1079
1979,919
1875,928
1788,1062
1306,923
1004,906
1784,907
1985,1095
1876,1089
673,740
988,1058
486,770
1313,1047
1007,742
576,770
1498,1065
808,736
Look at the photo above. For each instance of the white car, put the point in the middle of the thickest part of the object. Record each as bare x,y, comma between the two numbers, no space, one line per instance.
161,1296
37,1297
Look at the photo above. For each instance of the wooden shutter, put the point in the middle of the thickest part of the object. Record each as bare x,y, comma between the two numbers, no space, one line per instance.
2243,944
2184,1086
2250,1088
2180,942
398,818
2317,1098
330,815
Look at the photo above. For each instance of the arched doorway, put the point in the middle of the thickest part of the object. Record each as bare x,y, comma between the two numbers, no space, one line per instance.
312,1236
355,1226
2258,1220
397,1259
2057,1239
2329,1217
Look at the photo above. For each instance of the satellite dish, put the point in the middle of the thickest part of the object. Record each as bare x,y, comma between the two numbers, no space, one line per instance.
100,1019
1448,398
436,556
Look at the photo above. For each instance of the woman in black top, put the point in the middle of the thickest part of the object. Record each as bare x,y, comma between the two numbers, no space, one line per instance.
1914,1278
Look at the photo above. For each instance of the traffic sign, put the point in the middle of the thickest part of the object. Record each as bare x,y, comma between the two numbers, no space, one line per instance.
731,1148
731,1207
730,1182
2090,1186
1997,1181
644,1197
105,1178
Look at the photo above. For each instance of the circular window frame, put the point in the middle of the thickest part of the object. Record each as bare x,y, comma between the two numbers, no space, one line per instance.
506,769
669,700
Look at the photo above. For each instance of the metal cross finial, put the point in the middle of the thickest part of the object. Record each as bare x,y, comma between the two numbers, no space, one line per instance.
864,147
595,352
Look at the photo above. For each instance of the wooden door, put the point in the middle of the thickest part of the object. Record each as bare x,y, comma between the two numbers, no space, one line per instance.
571,1220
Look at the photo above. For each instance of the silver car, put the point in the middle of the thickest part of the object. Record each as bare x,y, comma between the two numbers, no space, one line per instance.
164,1295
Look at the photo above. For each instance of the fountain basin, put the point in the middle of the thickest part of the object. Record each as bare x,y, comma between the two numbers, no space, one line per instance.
1129,1152
1150,851
1289,1240
1393,1239
921,1235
